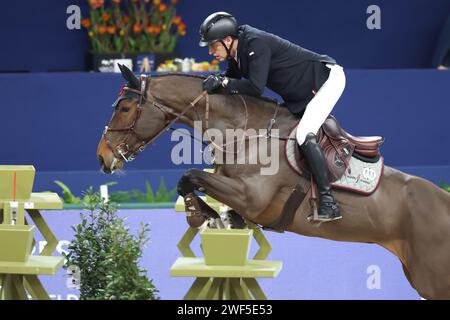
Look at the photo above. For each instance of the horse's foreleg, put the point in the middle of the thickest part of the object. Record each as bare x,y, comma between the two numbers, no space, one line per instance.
224,189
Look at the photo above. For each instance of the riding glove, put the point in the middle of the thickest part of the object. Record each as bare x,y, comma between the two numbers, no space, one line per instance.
213,83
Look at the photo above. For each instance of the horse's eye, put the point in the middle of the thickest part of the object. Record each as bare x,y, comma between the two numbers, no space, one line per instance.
124,109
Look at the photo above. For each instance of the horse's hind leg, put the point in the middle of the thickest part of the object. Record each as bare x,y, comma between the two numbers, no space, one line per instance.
427,231
407,275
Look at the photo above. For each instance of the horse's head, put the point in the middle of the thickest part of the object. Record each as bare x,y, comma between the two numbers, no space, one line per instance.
137,119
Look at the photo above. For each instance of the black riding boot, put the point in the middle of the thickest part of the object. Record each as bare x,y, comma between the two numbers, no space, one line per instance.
328,209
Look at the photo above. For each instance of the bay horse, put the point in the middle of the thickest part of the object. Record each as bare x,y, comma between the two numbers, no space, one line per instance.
407,215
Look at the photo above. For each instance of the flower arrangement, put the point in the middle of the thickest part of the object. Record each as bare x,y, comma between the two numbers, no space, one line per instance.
133,26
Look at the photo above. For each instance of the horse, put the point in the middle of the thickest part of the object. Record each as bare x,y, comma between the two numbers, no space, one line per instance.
407,215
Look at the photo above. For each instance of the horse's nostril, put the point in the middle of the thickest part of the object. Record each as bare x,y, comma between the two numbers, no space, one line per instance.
103,166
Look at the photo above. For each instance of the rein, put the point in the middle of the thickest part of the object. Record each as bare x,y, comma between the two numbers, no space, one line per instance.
123,150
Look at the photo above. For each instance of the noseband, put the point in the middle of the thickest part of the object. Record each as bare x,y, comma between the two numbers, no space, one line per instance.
123,150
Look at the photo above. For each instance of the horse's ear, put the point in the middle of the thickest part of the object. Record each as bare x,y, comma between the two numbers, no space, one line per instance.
133,81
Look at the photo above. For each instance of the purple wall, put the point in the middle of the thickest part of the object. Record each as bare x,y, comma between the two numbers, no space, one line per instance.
320,269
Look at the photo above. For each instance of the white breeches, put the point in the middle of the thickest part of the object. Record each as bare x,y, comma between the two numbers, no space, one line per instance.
320,106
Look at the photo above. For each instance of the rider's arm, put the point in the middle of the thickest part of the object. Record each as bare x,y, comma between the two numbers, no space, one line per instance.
258,70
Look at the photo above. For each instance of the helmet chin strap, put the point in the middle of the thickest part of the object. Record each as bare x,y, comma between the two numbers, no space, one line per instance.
229,57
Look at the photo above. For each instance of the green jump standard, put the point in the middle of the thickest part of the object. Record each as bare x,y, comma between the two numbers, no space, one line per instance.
19,269
223,282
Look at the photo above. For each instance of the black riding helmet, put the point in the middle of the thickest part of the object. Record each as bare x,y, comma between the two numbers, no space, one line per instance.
216,27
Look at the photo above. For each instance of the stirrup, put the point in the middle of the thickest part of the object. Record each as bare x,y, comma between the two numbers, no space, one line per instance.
321,219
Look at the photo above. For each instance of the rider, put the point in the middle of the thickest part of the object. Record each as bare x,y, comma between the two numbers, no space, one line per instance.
309,83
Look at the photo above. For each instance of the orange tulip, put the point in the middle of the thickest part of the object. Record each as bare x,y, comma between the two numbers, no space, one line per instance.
134,1
174,1
86,23
153,30
149,29
106,16
137,28
102,30
162,7
176,20
126,19
95,4
112,29
116,1
182,32
182,26
156,2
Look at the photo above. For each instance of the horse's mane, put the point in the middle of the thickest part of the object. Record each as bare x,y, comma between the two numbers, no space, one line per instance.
202,77
189,75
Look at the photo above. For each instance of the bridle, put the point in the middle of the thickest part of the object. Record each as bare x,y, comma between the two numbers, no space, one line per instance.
123,150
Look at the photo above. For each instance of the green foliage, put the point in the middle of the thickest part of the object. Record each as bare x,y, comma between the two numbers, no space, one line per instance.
133,196
149,192
107,255
163,195
445,186
69,197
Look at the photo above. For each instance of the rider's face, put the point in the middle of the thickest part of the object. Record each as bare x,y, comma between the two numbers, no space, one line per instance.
218,50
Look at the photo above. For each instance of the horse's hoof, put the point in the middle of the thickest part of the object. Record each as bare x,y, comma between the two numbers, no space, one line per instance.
195,221
192,207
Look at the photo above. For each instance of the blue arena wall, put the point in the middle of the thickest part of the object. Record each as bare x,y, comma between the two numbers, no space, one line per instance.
55,120
36,38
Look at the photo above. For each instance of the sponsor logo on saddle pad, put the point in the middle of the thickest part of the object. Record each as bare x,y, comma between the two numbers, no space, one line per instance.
363,177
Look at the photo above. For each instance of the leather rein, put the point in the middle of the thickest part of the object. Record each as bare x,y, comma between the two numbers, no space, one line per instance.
124,151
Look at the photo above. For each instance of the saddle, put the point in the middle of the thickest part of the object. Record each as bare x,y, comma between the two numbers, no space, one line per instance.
339,146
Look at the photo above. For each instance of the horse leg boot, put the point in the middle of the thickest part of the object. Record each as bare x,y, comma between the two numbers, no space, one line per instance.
197,210
328,208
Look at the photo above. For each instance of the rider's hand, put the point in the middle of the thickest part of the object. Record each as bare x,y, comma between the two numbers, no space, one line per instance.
212,83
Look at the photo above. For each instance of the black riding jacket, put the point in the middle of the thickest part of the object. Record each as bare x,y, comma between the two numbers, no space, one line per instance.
286,68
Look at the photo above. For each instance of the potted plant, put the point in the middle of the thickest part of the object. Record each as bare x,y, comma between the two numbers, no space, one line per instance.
105,255
143,31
